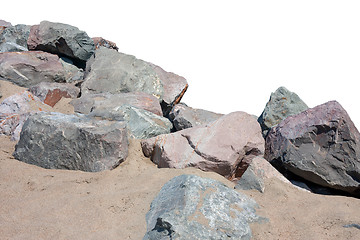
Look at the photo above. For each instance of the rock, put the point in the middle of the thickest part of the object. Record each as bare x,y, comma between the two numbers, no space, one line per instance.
225,146
252,179
320,145
51,93
14,111
191,207
73,74
141,124
114,72
4,25
184,117
61,39
14,39
30,68
107,101
73,142
282,104
101,42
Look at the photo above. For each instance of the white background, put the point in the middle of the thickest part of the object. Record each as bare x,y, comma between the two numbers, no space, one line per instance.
233,53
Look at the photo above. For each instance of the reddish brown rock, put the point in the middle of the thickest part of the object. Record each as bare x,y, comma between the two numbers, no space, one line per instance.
51,93
226,146
101,42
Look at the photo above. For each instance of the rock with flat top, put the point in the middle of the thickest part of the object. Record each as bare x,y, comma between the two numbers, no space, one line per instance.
14,38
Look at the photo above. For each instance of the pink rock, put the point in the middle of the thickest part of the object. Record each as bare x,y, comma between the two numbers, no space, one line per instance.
226,146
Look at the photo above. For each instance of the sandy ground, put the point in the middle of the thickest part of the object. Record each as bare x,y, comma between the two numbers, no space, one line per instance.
37,203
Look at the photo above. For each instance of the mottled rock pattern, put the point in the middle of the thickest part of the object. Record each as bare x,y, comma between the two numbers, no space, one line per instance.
72,73
14,39
225,146
61,39
282,104
51,93
141,124
320,145
29,68
107,101
184,117
101,42
4,25
191,207
15,110
73,142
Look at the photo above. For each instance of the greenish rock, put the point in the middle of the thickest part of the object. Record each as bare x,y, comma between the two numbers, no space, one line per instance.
282,103
14,38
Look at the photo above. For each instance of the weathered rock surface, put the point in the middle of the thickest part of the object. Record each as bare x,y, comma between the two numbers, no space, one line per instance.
141,124
320,145
51,93
4,25
107,101
15,110
101,42
114,72
74,142
14,39
61,39
282,104
225,146
73,74
191,207
30,68
184,117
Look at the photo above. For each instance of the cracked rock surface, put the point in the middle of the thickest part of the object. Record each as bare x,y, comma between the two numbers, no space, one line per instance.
225,146
320,145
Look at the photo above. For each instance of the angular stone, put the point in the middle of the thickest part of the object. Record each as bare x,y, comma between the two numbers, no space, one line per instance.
282,104
14,39
226,146
4,25
61,39
101,42
73,142
321,145
191,207
107,101
51,93
15,110
141,124
184,117
251,179
73,74
30,68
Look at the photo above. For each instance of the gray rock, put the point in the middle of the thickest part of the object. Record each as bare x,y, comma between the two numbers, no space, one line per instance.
226,146
141,124
51,93
62,39
184,117
14,39
191,207
73,142
321,145
4,25
251,179
106,101
282,104
73,74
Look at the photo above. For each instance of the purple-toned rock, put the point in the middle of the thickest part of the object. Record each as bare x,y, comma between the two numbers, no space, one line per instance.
101,42
14,111
51,93
29,68
106,101
226,146
184,117
320,145
73,142
61,39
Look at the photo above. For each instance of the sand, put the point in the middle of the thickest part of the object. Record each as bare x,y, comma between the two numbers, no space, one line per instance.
37,203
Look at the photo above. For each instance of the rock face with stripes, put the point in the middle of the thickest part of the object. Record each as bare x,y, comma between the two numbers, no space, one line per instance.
226,146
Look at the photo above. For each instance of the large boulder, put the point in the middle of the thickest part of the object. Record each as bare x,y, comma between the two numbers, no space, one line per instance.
14,39
15,110
3,25
73,142
26,69
191,207
321,145
282,104
61,39
114,72
225,146
184,117
107,101
141,124
51,93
